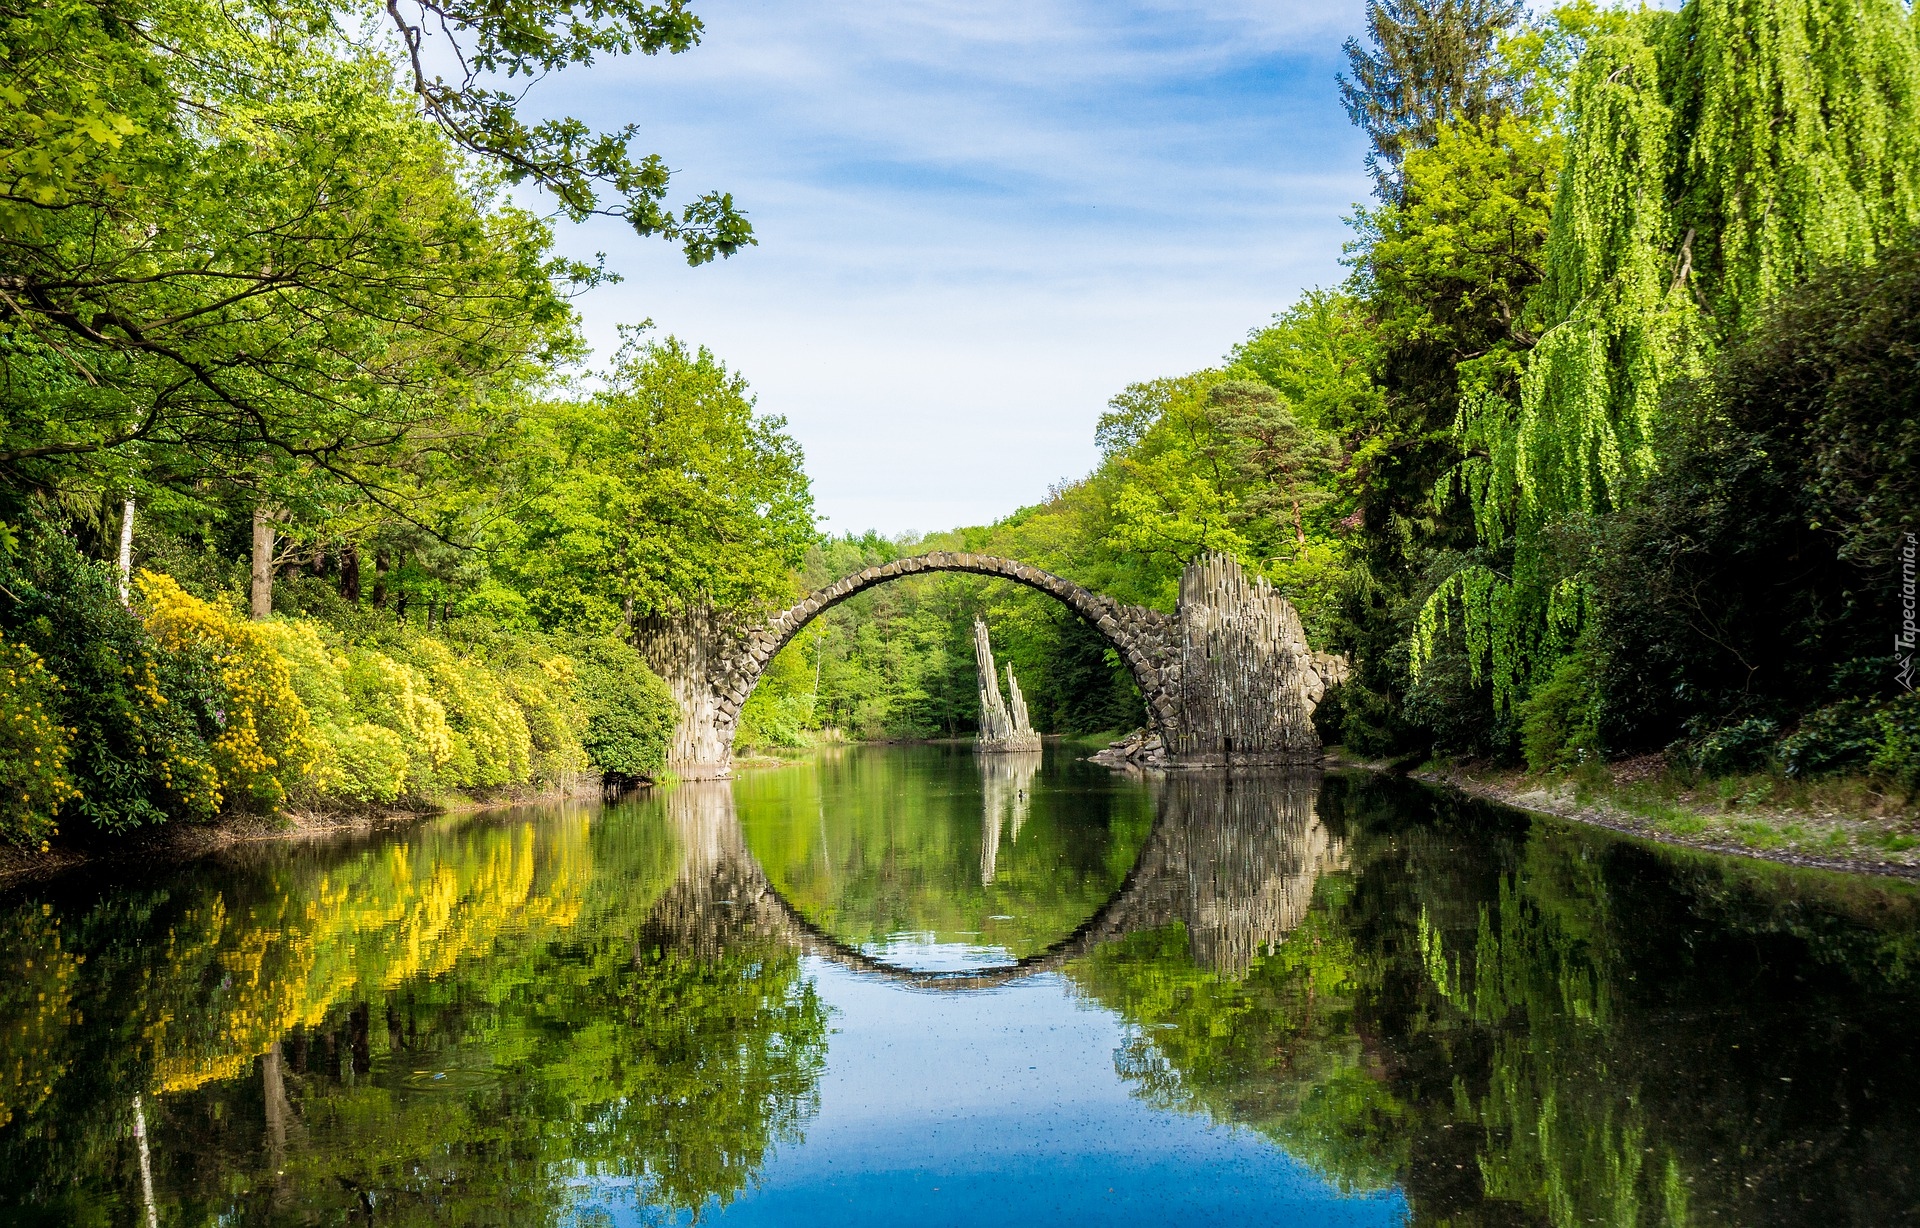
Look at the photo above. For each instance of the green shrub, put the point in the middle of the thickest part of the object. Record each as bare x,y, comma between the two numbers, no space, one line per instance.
360,759
142,720
395,696
1736,748
630,714
1898,756
370,763
492,745
546,693
1559,721
1835,738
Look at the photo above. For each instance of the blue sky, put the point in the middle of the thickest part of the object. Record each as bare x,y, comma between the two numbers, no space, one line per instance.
978,221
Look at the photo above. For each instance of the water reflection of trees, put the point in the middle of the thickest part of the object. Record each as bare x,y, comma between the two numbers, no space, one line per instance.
1513,1022
880,844
1523,1023
458,1027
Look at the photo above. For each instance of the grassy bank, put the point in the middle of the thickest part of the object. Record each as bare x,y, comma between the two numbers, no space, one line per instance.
1840,822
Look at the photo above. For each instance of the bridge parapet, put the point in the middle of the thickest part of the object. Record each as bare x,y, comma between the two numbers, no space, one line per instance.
1228,679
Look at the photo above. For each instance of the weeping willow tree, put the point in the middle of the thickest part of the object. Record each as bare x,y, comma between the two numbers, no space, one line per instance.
1718,155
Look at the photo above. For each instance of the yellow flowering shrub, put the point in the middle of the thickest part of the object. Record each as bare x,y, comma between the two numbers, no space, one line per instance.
489,722
395,696
543,690
370,763
36,1009
34,747
267,740
357,759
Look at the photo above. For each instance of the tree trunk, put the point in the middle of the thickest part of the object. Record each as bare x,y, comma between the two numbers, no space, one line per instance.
350,574
262,563
146,1163
126,551
379,579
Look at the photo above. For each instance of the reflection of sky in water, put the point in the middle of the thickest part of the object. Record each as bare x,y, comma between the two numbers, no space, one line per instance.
922,953
1002,1107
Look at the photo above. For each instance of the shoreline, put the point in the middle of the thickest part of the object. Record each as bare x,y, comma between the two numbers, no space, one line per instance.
1807,841
186,842
1684,826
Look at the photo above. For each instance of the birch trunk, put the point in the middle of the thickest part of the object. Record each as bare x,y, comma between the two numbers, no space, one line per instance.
126,552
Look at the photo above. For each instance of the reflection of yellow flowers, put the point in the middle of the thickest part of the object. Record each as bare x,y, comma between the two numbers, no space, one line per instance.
36,1009
268,741
383,918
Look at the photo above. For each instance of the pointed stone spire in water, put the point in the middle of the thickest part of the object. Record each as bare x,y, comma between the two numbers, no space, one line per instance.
1001,728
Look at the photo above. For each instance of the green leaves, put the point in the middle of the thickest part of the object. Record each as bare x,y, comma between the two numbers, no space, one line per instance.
531,38
663,490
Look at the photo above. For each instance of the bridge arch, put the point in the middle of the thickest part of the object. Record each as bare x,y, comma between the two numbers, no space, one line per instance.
713,667
1138,634
1229,680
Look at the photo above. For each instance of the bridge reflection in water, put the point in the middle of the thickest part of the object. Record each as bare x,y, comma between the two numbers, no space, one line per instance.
1234,857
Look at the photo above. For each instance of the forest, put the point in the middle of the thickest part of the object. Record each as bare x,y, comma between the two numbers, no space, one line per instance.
1607,445
311,494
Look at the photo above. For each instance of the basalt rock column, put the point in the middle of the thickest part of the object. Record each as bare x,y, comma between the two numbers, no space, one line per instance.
1002,728
1247,680
692,654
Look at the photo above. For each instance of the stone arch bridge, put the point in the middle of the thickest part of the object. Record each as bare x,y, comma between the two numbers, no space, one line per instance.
1227,679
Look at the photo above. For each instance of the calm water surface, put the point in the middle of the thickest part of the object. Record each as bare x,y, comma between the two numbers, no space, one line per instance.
905,985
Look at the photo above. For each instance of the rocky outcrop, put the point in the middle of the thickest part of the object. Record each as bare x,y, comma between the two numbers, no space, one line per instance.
1004,727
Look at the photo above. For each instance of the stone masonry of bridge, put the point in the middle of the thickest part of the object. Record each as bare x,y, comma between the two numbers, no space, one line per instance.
1229,679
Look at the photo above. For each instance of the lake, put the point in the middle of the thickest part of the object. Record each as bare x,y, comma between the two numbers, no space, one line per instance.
909,985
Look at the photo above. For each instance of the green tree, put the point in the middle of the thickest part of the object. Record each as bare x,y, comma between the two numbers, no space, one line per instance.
1433,63
1719,156
663,490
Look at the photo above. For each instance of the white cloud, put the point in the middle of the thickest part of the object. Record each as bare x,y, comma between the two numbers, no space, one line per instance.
979,220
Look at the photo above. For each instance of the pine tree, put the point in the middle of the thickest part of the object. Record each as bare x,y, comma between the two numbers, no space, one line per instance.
1433,63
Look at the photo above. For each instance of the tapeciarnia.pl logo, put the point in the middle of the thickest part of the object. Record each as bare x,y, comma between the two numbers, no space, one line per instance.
1903,639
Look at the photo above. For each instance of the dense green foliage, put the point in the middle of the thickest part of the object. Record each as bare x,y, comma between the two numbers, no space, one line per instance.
179,708
266,309
1606,446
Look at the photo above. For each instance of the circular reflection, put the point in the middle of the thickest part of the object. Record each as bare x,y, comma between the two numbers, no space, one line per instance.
1010,868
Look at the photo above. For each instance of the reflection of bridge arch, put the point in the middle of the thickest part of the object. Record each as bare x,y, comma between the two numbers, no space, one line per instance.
1235,858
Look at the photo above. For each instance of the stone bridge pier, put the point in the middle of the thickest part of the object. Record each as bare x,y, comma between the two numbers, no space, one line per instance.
1228,679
